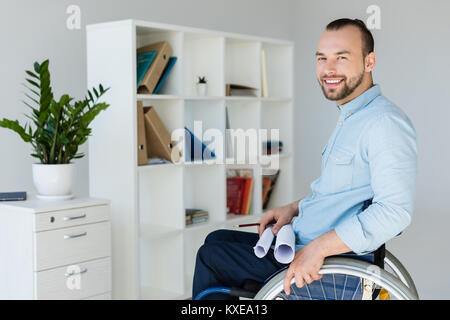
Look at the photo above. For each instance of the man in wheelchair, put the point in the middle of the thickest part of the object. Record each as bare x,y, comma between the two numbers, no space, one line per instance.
365,194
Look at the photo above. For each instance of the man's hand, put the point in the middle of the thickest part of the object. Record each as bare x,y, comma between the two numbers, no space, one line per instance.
305,267
307,261
281,216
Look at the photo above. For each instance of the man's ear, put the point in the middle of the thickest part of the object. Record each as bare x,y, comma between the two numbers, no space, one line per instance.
370,61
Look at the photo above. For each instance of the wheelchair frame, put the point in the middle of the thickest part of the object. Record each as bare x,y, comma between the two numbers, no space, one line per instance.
399,283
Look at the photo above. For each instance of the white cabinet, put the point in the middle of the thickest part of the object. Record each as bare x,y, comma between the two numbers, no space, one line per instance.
55,249
154,251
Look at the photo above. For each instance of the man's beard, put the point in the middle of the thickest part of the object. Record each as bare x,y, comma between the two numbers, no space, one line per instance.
345,90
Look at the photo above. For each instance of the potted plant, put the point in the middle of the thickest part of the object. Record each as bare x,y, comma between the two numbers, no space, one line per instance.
202,86
60,127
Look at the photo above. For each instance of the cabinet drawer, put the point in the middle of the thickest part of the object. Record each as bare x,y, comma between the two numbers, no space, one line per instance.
71,245
76,281
72,217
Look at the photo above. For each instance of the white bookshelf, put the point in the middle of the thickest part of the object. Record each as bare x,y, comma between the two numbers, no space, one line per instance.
153,250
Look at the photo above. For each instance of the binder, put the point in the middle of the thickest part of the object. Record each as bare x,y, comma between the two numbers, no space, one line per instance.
159,143
166,71
153,74
144,61
195,149
142,143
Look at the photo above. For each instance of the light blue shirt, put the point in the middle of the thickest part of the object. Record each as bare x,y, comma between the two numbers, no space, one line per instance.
372,154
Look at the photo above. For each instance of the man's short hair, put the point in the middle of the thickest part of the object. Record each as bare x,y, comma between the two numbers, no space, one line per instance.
366,35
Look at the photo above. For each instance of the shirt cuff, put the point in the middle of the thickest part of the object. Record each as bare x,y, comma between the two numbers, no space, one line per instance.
351,233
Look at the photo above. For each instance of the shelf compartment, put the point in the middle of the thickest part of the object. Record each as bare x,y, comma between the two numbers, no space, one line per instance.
243,63
155,186
161,269
203,56
199,193
244,120
279,62
278,116
149,35
282,193
206,120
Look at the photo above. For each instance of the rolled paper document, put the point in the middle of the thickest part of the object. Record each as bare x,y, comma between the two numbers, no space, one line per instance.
264,243
285,244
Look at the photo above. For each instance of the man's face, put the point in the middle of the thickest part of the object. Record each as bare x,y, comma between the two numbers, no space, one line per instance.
339,62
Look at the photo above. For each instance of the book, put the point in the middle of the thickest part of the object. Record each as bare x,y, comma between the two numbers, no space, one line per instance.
264,86
166,71
195,148
272,147
13,196
269,177
228,139
143,62
239,190
240,90
196,216
247,196
235,191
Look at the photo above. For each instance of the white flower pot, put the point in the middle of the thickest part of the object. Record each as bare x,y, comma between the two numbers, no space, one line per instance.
53,181
202,89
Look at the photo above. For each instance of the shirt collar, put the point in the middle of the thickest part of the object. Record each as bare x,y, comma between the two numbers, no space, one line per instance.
353,106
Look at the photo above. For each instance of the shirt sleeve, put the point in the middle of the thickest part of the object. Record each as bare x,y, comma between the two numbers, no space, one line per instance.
391,149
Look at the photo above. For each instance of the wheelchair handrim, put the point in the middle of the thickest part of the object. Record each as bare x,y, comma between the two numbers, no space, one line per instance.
349,267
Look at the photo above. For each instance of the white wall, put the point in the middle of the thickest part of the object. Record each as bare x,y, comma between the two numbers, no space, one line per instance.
412,66
412,69
33,30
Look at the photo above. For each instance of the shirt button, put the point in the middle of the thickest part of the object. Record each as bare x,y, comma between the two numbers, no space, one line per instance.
312,196
337,159
340,123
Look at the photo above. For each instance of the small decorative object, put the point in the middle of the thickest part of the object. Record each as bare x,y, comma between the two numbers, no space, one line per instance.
61,126
202,86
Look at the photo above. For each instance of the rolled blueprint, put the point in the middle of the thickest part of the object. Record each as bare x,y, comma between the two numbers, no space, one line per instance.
264,243
285,244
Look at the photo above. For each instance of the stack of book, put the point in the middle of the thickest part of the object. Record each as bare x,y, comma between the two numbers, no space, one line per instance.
154,63
194,216
272,147
269,178
239,190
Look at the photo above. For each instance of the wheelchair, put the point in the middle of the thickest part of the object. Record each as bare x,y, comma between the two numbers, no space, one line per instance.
376,276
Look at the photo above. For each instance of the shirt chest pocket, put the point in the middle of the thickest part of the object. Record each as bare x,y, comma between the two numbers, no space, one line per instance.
341,170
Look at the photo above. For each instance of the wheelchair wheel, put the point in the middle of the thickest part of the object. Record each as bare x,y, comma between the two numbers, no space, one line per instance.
343,279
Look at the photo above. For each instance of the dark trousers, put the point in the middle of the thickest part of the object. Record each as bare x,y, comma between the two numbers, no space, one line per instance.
227,259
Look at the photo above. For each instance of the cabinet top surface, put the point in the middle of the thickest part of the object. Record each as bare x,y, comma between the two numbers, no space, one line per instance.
34,205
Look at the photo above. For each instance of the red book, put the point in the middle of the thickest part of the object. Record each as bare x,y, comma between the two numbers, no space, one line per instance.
235,191
246,198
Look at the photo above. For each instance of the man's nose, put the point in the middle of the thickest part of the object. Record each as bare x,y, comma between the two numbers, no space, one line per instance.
330,68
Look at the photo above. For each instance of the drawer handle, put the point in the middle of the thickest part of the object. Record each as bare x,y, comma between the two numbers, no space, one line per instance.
75,273
71,236
74,217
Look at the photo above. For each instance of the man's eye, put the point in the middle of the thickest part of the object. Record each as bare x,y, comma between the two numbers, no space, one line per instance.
341,58
321,59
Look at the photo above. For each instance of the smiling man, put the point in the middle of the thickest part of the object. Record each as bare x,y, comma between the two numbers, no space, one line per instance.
365,194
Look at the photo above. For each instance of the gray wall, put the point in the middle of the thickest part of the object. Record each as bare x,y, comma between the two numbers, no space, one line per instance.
412,64
33,30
